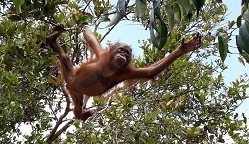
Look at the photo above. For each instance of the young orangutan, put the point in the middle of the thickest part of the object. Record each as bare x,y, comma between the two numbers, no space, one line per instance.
110,67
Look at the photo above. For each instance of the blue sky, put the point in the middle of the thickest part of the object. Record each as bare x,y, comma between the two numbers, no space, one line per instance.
130,33
235,68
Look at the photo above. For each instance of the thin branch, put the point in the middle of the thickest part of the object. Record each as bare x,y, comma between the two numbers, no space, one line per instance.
76,52
51,108
108,32
56,135
53,135
86,6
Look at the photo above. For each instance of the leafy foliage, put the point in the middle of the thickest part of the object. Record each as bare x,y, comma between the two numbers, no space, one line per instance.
223,46
188,103
175,12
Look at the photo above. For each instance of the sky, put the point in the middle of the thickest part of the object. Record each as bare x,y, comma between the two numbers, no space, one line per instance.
235,68
131,33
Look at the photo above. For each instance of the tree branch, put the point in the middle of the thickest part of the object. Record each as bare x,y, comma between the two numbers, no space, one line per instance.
108,32
56,135
53,135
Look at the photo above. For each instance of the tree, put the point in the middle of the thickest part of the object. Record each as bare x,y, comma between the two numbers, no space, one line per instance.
188,103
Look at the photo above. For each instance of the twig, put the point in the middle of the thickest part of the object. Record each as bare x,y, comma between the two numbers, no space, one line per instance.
108,32
50,106
86,6
76,53
56,135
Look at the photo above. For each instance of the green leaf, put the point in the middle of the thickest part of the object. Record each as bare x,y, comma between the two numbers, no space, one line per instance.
231,24
104,19
166,97
154,114
156,8
244,34
185,4
121,8
163,34
162,31
177,12
117,17
223,46
244,2
61,18
241,60
12,104
121,12
14,17
11,30
62,2
52,80
42,36
153,38
246,57
18,4
141,7
197,130
246,16
238,21
2,30
152,20
45,2
241,45
170,17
